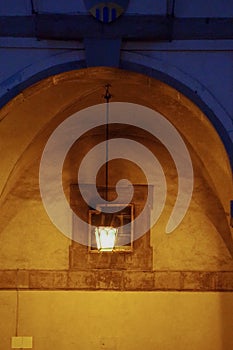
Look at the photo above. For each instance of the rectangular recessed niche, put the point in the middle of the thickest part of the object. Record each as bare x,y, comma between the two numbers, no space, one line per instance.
123,216
21,342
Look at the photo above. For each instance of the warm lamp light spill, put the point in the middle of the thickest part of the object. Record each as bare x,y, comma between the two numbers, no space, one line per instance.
105,238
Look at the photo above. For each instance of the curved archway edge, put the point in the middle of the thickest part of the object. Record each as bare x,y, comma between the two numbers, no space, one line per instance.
158,74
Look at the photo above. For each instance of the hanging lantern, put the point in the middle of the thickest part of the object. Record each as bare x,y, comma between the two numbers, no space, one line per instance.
106,235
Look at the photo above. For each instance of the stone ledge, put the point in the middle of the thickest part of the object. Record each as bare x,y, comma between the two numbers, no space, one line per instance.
47,280
121,280
198,280
137,280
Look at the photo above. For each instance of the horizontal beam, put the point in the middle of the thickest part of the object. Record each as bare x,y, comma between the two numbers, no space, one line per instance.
127,27
122,280
175,45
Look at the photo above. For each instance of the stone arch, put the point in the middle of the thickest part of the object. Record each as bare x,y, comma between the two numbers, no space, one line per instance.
134,62
71,91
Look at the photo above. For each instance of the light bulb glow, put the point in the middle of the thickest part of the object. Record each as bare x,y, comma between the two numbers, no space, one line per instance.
105,238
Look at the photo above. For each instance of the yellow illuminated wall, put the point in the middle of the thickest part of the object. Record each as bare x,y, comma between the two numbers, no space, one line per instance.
72,319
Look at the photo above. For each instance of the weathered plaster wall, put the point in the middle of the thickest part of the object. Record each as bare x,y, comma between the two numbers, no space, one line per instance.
112,320
30,241
35,255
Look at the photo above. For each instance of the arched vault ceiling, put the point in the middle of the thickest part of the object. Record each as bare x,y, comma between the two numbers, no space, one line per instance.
29,119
